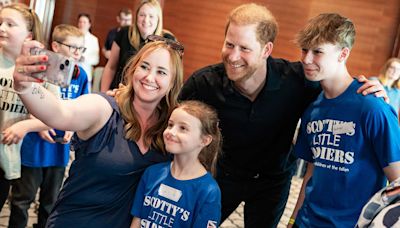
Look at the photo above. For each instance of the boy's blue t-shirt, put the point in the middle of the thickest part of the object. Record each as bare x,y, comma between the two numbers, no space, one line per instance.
349,139
163,201
36,152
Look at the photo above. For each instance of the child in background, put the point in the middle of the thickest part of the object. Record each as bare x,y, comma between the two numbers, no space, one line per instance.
183,193
351,142
390,79
18,23
44,161
68,40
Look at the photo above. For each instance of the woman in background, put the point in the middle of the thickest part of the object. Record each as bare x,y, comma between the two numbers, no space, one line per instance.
91,56
129,40
390,79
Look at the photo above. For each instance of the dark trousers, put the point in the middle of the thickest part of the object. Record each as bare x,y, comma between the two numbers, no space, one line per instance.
4,189
265,197
24,190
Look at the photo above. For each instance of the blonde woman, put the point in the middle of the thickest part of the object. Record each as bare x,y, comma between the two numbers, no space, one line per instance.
390,78
128,41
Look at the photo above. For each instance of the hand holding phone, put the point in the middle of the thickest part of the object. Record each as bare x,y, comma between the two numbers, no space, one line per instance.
59,136
59,68
58,139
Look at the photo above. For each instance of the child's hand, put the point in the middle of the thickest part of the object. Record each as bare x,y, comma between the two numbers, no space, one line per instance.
46,135
67,136
13,134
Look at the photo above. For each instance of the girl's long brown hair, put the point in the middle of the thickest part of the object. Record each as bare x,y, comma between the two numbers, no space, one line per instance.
209,126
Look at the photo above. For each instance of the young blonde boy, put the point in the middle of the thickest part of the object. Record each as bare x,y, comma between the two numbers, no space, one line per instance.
351,142
68,40
43,162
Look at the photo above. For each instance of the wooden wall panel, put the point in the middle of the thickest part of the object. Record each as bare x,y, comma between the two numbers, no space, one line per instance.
23,1
291,16
200,26
396,49
376,27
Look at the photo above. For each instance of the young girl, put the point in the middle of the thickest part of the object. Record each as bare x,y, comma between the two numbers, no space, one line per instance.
17,24
183,193
390,79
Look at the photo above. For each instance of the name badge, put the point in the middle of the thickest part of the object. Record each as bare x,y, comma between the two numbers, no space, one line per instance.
170,192
343,128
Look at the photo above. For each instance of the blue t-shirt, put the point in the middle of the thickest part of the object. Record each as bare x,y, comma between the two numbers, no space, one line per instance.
103,178
36,152
163,201
349,139
394,97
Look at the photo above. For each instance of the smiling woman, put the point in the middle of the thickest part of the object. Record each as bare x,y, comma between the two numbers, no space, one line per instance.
116,139
390,78
148,20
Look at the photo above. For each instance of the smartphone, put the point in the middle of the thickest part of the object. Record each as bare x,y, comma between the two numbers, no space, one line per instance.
60,69
59,137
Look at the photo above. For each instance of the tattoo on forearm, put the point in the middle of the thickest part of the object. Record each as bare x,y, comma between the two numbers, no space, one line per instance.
39,91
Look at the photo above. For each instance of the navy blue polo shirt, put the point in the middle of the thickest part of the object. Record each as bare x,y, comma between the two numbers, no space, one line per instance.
103,178
257,135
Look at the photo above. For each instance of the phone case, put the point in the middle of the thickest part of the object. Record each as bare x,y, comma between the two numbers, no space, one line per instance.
60,69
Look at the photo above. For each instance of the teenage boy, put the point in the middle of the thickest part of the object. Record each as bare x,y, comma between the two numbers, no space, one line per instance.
351,142
43,163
